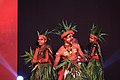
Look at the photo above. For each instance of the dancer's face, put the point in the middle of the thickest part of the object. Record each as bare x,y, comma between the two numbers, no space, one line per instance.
92,39
41,40
69,38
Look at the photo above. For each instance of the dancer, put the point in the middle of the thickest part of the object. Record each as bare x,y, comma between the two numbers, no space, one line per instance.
42,60
94,68
69,51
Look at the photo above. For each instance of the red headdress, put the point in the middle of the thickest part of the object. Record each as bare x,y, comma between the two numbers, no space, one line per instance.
97,34
66,29
44,35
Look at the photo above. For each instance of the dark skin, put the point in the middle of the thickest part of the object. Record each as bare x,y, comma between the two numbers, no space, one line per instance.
42,43
93,39
69,50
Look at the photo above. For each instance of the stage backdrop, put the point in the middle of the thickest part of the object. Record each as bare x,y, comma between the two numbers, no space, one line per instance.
40,15
8,39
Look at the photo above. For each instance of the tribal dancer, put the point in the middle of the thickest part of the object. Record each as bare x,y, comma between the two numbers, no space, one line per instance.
69,51
94,68
42,59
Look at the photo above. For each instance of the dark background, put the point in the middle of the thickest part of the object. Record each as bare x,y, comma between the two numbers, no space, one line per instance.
37,15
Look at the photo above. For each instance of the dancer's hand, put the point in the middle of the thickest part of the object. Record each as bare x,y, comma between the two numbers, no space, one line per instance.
54,68
33,61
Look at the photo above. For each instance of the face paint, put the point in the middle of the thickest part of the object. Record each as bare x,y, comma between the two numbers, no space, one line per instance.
69,38
41,40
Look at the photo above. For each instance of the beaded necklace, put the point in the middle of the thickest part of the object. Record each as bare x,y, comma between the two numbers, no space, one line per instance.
70,51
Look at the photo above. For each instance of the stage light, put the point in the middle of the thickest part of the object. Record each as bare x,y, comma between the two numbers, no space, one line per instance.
20,78
112,59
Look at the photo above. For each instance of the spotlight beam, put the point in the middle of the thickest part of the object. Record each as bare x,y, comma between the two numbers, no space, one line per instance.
6,65
112,59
